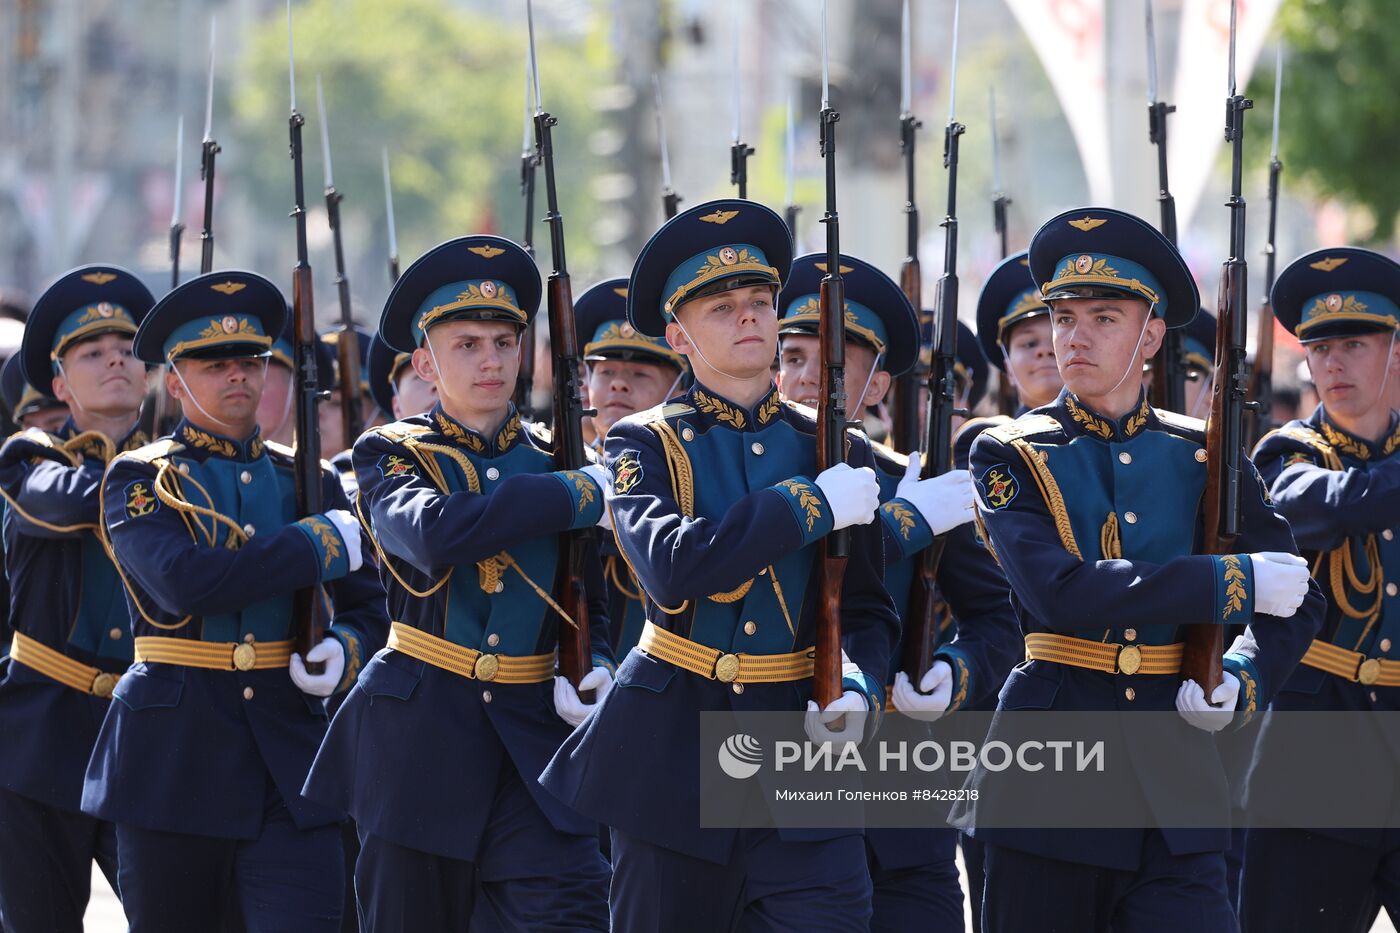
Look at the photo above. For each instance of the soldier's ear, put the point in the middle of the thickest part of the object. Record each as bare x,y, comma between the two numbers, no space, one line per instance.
173,386
1152,336
422,361
677,338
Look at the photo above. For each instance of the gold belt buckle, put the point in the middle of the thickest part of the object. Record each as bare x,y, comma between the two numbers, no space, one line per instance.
727,668
1129,659
486,667
244,657
103,685
1369,672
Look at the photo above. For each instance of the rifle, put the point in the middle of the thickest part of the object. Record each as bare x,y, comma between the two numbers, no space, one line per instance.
389,218
906,385
529,160
1225,455
790,172
307,605
740,151
1168,373
209,148
921,632
1006,392
177,228
347,343
831,409
575,654
670,201
1261,381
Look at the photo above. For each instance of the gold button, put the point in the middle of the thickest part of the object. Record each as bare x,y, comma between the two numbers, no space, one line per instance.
1130,518
493,639
757,448
1201,455
1131,694
1130,634
244,657
493,473
1391,589
500,587
185,468
1388,535
103,685
738,688
115,633
247,693
245,477
726,668
1125,458
1385,644
1370,671
1129,659
486,667
688,435
250,638
750,627
486,696
249,530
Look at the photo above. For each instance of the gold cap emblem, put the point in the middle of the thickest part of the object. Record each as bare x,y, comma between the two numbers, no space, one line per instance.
728,255
229,288
229,324
620,292
99,278
486,252
1087,223
720,217
488,289
1083,264
105,310
1334,302
1328,264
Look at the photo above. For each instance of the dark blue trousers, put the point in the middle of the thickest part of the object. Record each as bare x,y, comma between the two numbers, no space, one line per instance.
767,884
976,877
916,893
1166,894
528,876
46,857
286,881
1296,881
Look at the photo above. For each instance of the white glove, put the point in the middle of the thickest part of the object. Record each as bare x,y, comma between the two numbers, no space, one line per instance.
945,501
850,705
599,474
567,704
330,653
1280,583
1215,715
854,494
937,692
349,528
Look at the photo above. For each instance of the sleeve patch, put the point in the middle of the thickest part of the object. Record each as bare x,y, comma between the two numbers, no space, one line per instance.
140,500
627,472
393,465
1298,456
999,487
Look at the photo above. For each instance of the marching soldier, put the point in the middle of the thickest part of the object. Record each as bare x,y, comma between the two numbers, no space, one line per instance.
201,762
436,751
71,639
28,407
628,372
1101,599
1336,477
717,505
395,385
1013,326
913,872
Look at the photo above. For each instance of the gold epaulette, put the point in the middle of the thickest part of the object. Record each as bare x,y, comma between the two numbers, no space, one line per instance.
803,410
1181,422
540,432
398,431
51,443
156,450
281,450
660,413
1305,435
1025,426
889,453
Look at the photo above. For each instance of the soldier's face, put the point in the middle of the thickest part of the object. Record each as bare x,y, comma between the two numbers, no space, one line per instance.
228,390
1349,372
413,394
733,332
103,376
275,405
800,373
1030,358
45,419
473,364
1102,343
618,388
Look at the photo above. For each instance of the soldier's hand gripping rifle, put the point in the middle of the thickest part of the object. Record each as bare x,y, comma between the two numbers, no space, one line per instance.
831,410
570,453
529,161
1168,371
906,385
1225,456
921,626
1261,376
347,343
307,605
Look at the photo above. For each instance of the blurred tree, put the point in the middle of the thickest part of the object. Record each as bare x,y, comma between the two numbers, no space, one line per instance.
443,88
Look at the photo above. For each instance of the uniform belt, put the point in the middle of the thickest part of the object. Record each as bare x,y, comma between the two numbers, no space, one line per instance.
1108,657
214,655
1352,665
727,668
468,662
56,665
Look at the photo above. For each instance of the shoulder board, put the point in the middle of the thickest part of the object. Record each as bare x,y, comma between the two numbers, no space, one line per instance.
165,447
1181,422
280,450
36,438
884,451
660,413
1025,426
980,424
803,410
540,432
399,431
1297,431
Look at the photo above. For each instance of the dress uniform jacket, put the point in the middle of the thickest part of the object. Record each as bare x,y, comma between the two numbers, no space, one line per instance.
1096,523
66,596
715,509
466,527
191,750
